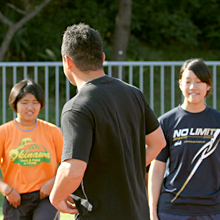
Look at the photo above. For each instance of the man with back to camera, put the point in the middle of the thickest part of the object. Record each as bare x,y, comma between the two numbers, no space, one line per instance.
105,129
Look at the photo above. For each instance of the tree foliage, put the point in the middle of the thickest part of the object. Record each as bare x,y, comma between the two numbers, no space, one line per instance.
160,29
13,27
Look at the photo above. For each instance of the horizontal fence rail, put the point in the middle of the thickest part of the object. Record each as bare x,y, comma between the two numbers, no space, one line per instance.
158,80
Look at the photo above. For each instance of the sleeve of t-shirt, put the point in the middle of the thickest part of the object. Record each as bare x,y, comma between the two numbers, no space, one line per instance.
77,131
164,154
58,142
2,141
151,120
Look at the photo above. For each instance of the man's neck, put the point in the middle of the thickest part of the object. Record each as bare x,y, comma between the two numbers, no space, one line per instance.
89,76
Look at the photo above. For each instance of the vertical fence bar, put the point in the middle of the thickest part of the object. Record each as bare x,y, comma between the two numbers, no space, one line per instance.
14,75
14,82
110,70
3,94
120,72
130,75
25,72
162,90
57,96
214,91
36,73
152,87
67,90
172,87
46,93
141,77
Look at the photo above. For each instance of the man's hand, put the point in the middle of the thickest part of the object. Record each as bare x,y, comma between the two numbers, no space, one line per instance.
67,206
68,179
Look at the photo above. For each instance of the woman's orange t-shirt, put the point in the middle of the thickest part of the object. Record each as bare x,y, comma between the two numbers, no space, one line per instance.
29,158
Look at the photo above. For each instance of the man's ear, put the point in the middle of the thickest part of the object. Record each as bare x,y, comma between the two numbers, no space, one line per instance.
103,57
69,61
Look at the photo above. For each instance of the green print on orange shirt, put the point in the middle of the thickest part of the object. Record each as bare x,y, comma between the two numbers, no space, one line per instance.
29,153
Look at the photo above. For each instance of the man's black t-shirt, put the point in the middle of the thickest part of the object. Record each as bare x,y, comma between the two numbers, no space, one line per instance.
105,125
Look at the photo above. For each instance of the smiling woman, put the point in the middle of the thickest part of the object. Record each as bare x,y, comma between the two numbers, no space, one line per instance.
194,91
30,150
28,108
192,131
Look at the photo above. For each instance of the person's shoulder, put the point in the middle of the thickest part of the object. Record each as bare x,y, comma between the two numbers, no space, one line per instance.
120,82
213,112
7,128
50,130
171,113
134,88
7,125
78,103
46,124
131,88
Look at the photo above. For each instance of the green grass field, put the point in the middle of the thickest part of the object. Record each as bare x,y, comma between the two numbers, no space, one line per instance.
63,216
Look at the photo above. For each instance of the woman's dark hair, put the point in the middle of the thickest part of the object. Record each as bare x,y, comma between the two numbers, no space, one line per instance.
23,87
200,69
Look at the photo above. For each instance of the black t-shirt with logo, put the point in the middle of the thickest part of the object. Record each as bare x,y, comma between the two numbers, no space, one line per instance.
105,125
192,180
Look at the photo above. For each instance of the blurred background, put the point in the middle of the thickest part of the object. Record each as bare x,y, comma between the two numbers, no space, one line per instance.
132,30
138,30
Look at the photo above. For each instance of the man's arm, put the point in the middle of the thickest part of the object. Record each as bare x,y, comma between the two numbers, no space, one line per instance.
155,142
68,179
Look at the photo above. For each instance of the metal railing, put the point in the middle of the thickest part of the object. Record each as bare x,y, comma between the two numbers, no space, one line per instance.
158,81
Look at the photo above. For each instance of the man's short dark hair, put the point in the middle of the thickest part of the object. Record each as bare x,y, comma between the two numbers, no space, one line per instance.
83,45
